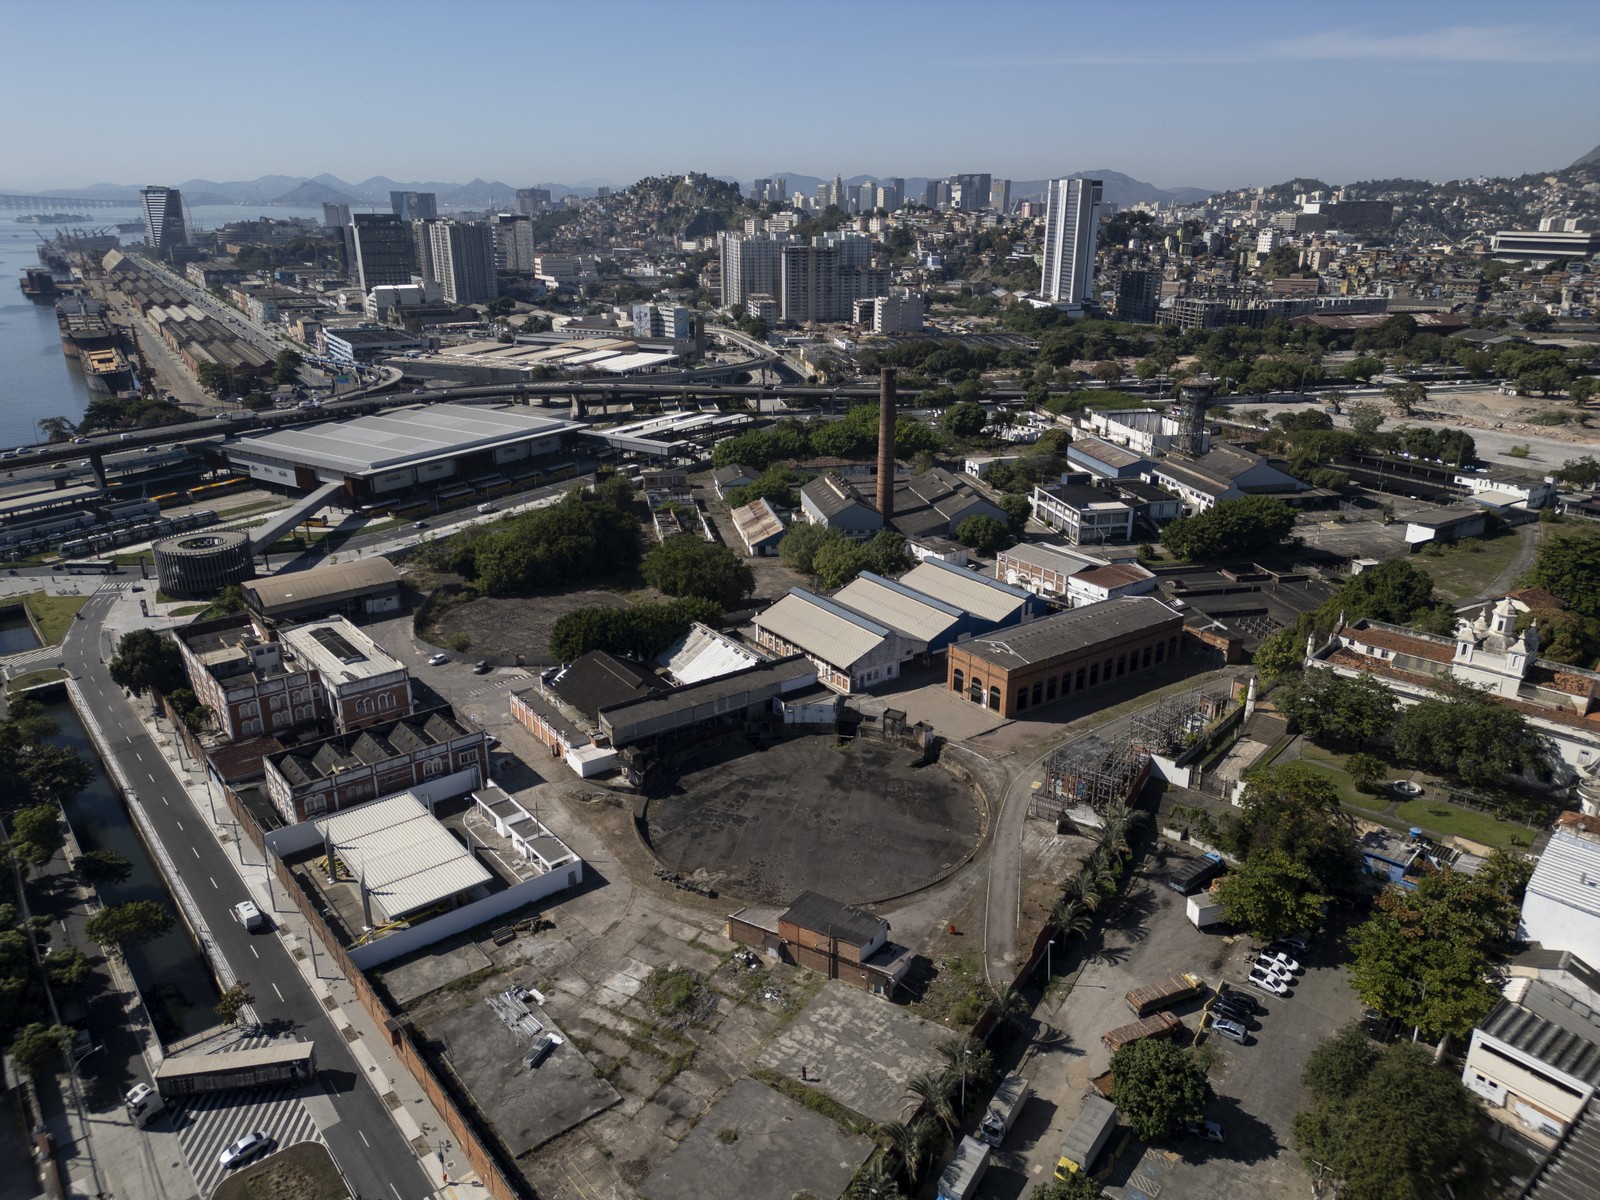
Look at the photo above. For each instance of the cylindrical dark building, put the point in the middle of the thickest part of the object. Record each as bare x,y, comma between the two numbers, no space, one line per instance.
199,565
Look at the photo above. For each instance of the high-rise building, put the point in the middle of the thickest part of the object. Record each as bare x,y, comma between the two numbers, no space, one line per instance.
513,241
855,249
936,193
1137,294
164,229
751,266
414,206
384,253
1071,222
891,194
770,191
969,192
810,288
422,250
335,216
1000,195
532,200
463,261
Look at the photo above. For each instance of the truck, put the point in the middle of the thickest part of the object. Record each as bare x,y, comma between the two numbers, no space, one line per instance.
1087,1137
959,1179
1189,877
1156,996
143,1103
1009,1098
1163,1024
1204,912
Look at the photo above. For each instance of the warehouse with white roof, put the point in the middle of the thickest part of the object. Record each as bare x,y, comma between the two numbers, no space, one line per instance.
401,448
922,622
992,604
851,652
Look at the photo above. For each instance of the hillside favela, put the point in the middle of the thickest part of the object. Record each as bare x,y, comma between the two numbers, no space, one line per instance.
1050,652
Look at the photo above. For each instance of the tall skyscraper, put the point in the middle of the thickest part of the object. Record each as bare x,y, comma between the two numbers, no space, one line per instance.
1137,295
335,216
969,192
810,287
463,261
532,200
1071,221
891,193
414,206
751,266
163,219
383,249
513,241
1000,195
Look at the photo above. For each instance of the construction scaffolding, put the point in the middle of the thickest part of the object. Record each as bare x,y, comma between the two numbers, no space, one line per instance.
1170,724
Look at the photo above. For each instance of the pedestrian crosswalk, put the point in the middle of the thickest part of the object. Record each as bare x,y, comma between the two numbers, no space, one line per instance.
514,679
206,1125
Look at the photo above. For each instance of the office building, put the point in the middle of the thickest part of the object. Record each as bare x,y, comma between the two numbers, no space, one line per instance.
384,252
770,191
891,313
414,206
335,216
891,194
164,229
969,192
751,266
513,241
1071,223
855,249
532,200
463,261
1000,195
1137,295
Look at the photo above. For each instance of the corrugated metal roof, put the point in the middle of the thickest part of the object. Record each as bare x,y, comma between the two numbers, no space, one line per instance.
1549,1031
1069,632
756,521
1573,1172
1568,872
404,857
987,599
822,629
303,587
703,653
816,912
923,619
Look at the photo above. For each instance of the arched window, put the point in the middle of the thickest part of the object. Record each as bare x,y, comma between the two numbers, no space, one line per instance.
994,698
958,681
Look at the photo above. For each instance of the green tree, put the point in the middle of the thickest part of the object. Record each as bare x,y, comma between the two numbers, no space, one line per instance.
687,566
1158,1087
1362,369
1365,420
1464,733
1569,569
146,661
129,924
1405,1132
1229,529
838,561
69,969
1431,956
55,429
798,548
1396,591
1281,653
38,1049
1365,770
1580,472
228,601
214,378
36,834
1017,510
286,367
1328,706
1339,1065
1271,894
1295,809
1078,1185
233,1001
885,553
50,774
1406,396
983,534
964,420
98,867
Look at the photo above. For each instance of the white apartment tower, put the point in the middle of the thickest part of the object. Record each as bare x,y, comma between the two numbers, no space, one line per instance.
752,265
1071,221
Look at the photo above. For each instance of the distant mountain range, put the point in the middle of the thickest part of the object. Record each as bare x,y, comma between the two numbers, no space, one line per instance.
1120,189
301,191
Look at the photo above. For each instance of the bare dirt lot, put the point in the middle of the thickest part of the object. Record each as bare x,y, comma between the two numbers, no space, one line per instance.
857,824
505,627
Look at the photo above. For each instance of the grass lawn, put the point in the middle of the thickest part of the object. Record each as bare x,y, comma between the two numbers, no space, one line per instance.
300,1172
1469,567
188,610
133,560
35,678
53,614
1349,795
245,510
1442,817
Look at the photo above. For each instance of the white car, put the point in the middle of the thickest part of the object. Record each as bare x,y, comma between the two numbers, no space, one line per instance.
1296,944
1276,969
1268,983
247,1149
438,660
1279,956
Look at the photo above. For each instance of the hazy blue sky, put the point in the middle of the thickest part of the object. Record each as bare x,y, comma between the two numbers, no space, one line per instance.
1213,93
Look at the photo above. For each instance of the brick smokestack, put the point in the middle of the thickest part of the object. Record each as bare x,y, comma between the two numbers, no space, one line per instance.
886,444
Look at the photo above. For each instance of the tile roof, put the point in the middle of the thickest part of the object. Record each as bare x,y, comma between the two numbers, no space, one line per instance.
831,495
900,608
987,599
1072,631
1401,643
1116,575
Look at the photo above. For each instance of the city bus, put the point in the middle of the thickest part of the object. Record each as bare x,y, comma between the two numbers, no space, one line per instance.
91,566
171,499
191,1074
407,510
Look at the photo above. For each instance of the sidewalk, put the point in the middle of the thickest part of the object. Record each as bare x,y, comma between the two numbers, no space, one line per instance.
418,1122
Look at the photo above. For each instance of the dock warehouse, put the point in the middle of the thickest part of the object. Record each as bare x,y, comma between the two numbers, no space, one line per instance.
402,448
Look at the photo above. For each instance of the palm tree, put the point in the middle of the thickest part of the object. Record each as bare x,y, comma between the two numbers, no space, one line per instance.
1071,917
1010,1009
1081,888
911,1142
875,1181
930,1091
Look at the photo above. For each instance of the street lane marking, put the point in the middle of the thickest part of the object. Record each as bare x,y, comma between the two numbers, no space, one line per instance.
364,1141
152,777
196,852
275,988
254,951
213,882
179,824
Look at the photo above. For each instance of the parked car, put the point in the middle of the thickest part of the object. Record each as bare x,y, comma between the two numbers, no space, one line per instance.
1281,957
435,660
481,667
1230,1029
1210,1130
247,1149
1227,1008
1293,945
1275,969
1268,983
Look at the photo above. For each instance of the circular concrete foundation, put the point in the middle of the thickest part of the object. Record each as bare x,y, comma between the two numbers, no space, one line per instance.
858,824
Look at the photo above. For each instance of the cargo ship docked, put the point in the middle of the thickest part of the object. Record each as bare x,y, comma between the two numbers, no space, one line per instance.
106,371
84,326
38,283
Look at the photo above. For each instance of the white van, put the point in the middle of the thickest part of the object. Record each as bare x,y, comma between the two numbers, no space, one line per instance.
251,917
486,507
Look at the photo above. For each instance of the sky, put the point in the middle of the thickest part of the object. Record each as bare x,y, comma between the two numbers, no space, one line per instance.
1201,93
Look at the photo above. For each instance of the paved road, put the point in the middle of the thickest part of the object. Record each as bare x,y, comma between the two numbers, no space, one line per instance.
361,1136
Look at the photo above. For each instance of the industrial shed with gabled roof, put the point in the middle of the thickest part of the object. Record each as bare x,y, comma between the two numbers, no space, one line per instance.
991,603
850,651
923,623
363,587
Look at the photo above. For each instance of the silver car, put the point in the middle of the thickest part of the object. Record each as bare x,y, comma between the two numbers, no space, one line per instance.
1268,983
247,1149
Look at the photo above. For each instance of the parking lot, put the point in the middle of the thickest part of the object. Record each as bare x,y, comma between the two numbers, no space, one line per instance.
1258,1090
